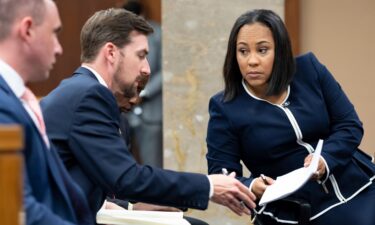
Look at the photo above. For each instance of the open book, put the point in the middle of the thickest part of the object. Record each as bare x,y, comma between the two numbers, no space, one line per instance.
126,217
292,181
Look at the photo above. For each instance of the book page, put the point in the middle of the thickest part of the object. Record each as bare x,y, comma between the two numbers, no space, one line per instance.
292,181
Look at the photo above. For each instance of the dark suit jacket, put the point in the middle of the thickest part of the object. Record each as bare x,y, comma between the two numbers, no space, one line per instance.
82,119
48,188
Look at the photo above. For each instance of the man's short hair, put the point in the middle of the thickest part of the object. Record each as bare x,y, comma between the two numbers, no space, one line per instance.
10,10
110,25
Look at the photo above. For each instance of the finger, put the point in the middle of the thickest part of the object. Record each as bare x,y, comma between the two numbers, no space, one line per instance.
241,207
235,210
269,180
307,160
316,175
322,167
232,174
238,207
244,192
247,199
232,206
260,183
244,209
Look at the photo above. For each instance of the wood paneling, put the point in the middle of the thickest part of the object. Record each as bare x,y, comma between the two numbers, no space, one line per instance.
152,9
73,15
292,22
10,174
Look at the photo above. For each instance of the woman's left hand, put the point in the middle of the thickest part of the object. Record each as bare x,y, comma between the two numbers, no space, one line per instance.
319,173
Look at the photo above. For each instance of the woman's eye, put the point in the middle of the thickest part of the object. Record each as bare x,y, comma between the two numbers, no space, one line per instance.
243,51
263,50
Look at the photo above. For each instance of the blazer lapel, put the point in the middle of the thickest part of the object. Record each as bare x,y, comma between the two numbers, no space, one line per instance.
18,102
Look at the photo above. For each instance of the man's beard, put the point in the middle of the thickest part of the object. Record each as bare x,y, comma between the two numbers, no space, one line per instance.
129,91
142,81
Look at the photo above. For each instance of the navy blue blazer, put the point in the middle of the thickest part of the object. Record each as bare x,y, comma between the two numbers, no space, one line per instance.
274,139
50,195
82,120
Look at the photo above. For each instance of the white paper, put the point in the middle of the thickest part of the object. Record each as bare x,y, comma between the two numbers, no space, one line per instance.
127,217
292,181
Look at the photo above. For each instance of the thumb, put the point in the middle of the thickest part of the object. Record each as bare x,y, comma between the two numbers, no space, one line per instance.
232,174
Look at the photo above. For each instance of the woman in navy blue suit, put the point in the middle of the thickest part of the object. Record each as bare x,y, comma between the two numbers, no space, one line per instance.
270,116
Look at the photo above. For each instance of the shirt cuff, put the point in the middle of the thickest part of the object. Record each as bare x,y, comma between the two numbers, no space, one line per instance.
211,188
130,206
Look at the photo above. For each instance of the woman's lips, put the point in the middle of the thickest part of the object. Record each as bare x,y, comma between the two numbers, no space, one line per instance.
254,74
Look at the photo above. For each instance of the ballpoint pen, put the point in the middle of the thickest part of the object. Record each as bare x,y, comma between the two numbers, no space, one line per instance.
264,179
224,171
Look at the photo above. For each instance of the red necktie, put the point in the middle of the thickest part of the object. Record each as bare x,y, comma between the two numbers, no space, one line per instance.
33,104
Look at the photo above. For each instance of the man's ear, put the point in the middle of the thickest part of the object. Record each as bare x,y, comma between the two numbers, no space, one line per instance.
25,28
110,52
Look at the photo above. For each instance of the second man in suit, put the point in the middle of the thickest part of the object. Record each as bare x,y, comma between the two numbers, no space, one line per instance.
82,120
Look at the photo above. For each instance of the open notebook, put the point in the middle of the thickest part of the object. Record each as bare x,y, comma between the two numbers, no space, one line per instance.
126,217
292,181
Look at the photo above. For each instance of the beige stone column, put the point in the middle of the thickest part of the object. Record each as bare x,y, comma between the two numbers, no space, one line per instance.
195,34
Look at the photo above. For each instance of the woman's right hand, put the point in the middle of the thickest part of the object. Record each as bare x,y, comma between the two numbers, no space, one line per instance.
260,185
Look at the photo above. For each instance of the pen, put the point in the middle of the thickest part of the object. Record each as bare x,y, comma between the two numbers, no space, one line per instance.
224,171
264,179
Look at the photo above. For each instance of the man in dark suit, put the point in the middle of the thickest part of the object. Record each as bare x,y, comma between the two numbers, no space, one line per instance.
28,49
82,116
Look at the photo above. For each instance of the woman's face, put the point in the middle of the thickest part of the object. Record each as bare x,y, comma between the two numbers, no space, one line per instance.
255,53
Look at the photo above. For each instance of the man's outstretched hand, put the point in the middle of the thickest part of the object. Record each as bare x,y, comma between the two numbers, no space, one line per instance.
229,192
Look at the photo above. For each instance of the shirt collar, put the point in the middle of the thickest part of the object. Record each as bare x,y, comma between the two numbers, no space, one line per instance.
12,78
97,75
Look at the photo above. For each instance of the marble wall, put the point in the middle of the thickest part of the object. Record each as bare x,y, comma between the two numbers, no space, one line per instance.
195,35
